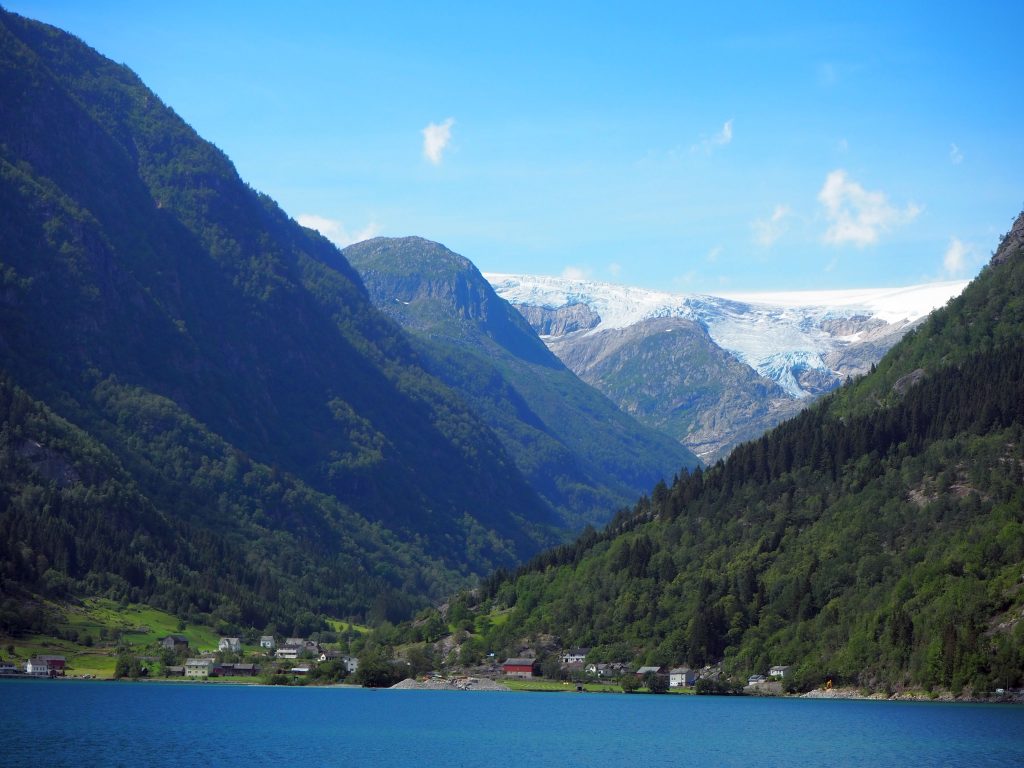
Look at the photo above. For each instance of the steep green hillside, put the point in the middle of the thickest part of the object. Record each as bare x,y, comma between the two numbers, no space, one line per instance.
178,320
876,539
583,455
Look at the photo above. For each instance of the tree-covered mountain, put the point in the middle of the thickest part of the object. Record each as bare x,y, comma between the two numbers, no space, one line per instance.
227,366
578,450
876,539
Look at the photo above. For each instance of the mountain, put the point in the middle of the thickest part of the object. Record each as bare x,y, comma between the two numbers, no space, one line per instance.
180,355
715,371
876,539
583,455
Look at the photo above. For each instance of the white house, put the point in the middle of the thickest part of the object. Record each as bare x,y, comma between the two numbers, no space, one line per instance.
681,677
230,644
575,656
37,667
289,651
198,667
779,671
267,641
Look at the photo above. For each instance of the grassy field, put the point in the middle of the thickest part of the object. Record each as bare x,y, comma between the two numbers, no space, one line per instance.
337,625
98,625
538,684
89,632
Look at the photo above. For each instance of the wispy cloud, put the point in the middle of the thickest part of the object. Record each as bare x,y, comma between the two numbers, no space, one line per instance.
614,269
767,231
712,143
575,273
713,253
436,137
958,257
335,230
955,155
857,215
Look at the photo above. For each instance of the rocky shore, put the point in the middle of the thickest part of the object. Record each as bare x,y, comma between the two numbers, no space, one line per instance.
450,684
1010,697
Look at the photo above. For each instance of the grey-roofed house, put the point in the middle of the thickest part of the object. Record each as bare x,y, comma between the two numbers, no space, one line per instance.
174,642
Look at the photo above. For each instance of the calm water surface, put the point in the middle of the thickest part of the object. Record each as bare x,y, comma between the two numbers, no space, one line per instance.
65,723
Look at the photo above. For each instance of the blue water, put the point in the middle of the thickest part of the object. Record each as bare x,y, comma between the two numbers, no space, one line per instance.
64,723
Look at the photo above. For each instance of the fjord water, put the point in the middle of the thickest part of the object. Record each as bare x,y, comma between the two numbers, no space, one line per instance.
48,723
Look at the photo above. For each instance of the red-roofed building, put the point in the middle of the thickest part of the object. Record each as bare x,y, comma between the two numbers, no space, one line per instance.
519,667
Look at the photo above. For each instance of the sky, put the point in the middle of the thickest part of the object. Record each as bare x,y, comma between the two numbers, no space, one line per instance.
691,148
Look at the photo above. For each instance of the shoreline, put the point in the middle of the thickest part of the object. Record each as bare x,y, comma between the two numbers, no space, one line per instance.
471,683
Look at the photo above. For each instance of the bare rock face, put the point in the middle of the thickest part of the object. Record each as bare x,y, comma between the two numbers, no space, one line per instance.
1011,244
668,373
561,321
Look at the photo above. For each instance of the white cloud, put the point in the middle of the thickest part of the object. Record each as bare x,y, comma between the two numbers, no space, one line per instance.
857,215
575,273
720,139
614,269
335,231
955,155
436,137
843,145
713,254
957,258
767,231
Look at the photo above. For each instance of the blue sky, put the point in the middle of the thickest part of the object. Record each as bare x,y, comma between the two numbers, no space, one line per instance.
720,147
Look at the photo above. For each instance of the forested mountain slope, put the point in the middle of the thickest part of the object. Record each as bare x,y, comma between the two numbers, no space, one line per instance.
225,361
876,539
582,454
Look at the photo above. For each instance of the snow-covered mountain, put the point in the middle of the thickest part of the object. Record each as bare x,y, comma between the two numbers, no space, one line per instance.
798,344
774,333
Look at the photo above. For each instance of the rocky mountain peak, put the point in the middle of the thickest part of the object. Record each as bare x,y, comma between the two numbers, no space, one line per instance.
1011,244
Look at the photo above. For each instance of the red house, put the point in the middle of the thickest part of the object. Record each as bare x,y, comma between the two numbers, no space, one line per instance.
55,663
519,667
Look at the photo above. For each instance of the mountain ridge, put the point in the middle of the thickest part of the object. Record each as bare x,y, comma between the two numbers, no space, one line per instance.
578,450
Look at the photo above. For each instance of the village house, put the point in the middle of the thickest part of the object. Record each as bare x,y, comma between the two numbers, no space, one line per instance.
267,642
681,677
174,642
230,644
519,667
198,667
295,647
288,651
175,671
756,679
55,663
234,670
575,656
779,670
38,668
7,668
610,670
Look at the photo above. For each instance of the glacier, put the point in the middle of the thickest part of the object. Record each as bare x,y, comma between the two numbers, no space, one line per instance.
781,335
